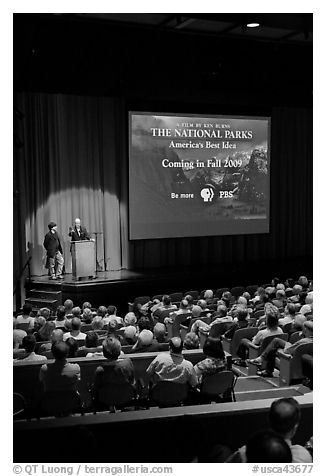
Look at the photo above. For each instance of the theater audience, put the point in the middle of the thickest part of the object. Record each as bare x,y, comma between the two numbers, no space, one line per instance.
214,361
97,323
267,447
60,376
112,315
267,357
284,419
240,323
26,317
56,336
145,343
114,370
59,321
172,366
130,319
68,305
289,314
44,334
191,341
159,332
271,313
29,343
75,330
129,335
87,316
73,346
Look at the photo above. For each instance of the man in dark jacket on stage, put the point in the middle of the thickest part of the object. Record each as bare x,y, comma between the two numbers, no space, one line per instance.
78,232
54,258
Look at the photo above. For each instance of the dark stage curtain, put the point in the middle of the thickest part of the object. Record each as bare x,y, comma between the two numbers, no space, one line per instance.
71,160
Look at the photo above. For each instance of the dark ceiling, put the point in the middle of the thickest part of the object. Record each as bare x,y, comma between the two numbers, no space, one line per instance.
165,55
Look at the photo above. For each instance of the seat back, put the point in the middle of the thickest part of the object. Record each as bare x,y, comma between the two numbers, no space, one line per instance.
176,297
24,326
169,394
161,314
116,395
219,328
83,351
236,291
60,403
220,383
258,314
251,289
157,296
219,292
295,337
194,294
246,333
86,327
19,404
141,300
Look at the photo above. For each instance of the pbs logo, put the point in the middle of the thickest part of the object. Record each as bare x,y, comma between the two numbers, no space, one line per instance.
207,194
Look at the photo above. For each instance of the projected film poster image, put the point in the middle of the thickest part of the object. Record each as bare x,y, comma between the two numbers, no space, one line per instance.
197,176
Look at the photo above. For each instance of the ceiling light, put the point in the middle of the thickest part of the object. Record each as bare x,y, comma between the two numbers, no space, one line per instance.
252,25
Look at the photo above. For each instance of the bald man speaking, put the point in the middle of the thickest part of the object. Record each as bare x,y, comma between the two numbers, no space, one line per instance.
78,232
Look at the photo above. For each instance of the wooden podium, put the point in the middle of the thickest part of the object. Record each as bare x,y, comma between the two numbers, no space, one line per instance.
83,259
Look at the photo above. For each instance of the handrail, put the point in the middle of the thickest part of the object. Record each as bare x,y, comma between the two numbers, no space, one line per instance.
21,273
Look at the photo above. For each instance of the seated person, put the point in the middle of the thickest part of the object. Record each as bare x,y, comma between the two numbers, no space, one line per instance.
284,419
97,323
145,343
266,446
60,318
191,341
240,323
29,343
214,361
26,317
268,356
219,316
102,311
190,300
172,366
280,299
87,316
112,314
159,332
271,313
73,347
61,375
86,305
129,335
44,334
130,319
289,314
18,336
56,336
38,323
68,305
166,304
209,297
114,370
75,330
183,309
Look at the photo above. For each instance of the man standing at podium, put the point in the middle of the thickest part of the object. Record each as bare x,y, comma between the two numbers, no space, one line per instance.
78,232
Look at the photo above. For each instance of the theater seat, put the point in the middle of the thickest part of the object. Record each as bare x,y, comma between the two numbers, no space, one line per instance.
290,366
231,345
256,350
115,397
169,394
218,387
60,403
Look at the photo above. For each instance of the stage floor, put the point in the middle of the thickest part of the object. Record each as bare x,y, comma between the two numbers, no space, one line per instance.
101,276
